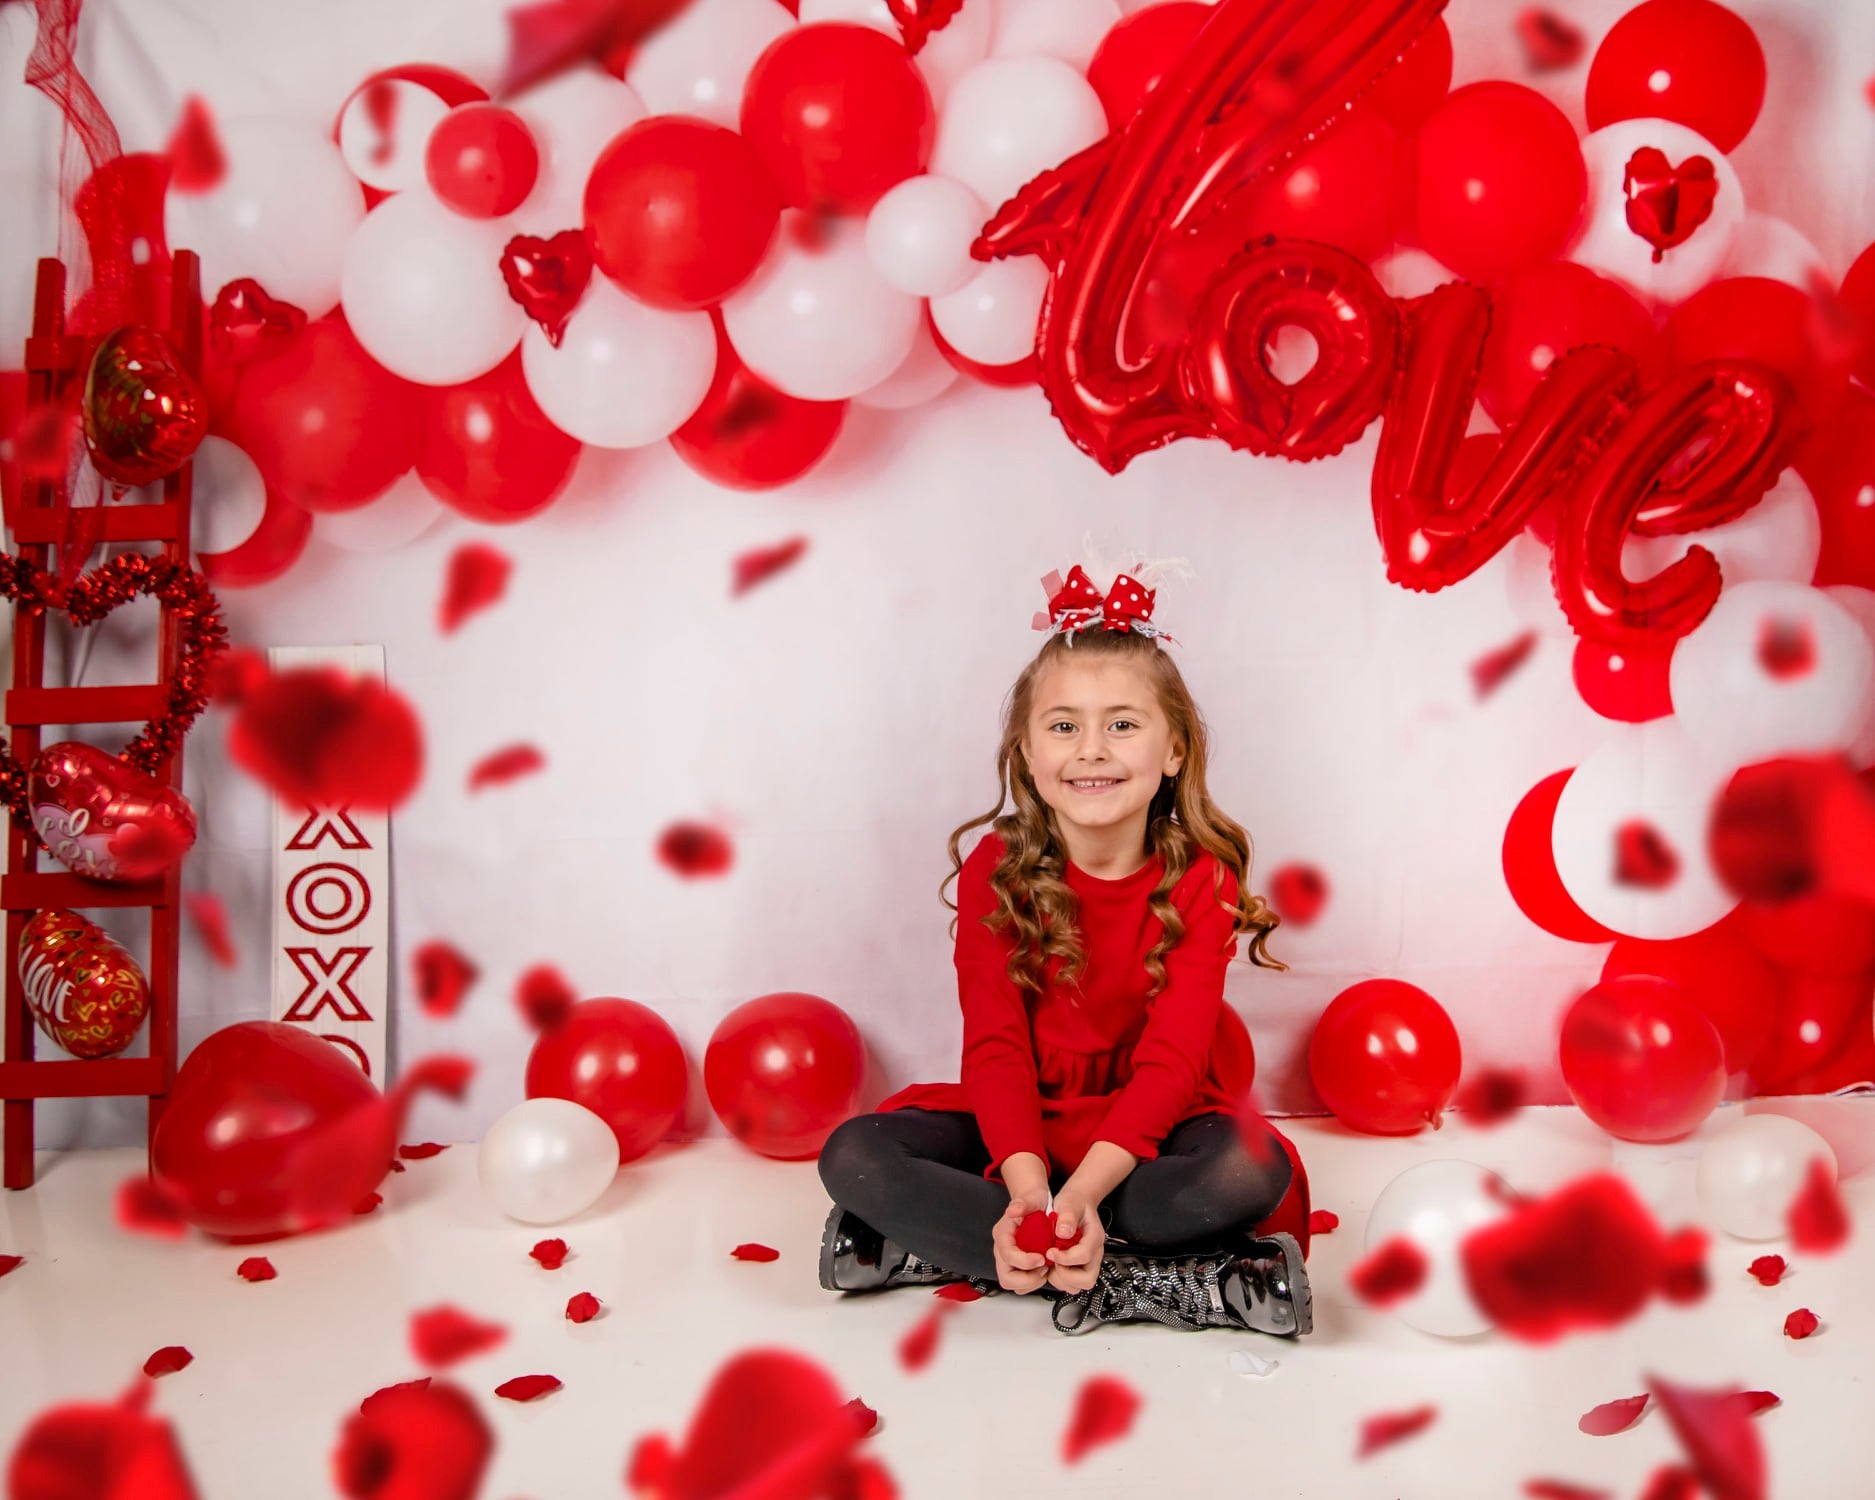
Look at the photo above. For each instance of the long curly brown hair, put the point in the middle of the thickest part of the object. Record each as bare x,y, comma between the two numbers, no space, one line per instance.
1032,893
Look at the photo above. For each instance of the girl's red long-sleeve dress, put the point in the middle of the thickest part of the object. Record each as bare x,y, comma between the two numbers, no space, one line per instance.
1097,1061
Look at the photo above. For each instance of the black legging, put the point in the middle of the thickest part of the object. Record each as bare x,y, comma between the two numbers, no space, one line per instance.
916,1175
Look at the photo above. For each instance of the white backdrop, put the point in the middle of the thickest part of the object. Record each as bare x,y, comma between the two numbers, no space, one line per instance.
842,715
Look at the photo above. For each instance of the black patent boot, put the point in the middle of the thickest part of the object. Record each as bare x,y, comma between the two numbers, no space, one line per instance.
855,1257
1258,1285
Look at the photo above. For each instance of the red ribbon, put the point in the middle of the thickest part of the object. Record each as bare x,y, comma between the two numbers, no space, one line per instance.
1077,605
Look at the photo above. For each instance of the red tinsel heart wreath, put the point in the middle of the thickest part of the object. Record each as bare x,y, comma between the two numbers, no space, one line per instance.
88,599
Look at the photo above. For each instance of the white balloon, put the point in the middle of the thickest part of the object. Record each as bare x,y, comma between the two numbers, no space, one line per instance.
919,235
1605,243
1071,30
546,1160
817,320
424,294
948,53
283,213
992,319
32,230
1751,1172
228,497
1781,537
1529,587
395,519
389,155
921,376
1653,775
1407,271
1743,702
1860,602
1769,246
625,374
698,63
574,117
1433,1206
1010,118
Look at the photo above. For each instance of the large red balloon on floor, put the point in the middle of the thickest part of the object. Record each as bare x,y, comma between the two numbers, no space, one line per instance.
783,1070
1641,1060
1385,1057
621,1061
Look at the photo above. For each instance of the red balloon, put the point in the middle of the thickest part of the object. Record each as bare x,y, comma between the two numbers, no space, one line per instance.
271,1130
1140,51
840,113
749,436
782,1071
1628,683
1385,1057
1857,295
1501,181
1814,934
144,414
1838,464
1343,189
269,551
1686,60
1641,1060
325,423
120,209
487,450
1720,974
1770,322
1813,1021
1410,91
680,211
1530,866
621,1061
481,160
1540,315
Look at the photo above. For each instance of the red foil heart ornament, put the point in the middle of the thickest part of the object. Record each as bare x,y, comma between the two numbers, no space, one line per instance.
106,820
82,986
245,323
1666,203
917,19
548,277
144,414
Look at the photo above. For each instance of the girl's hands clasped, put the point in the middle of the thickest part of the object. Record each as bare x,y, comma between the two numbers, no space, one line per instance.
1019,1270
1074,1267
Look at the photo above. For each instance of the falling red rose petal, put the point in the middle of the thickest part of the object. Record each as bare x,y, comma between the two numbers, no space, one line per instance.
1491,1096
1769,1269
256,1268
1683,1275
77,1450
1753,1402
210,920
1721,1443
1672,1482
167,1360
753,1251
864,1417
505,765
477,578
1612,1416
444,1073
1490,670
1323,1221
1394,1269
416,1440
917,1347
320,737
396,1165
648,1471
1561,1489
443,1335
443,977
1104,1410
1549,42
1801,1324
10,1263
196,160
550,1253
958,1291
761,563
387,1392
1298,892
421,1151
527,1387
544,997
234,675
367,1204
582,1307
1785,647
1819,1220
144,1206
695,849
1643,857
1384,1430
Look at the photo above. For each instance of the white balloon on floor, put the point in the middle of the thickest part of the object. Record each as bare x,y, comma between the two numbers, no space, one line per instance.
698,62
1777,668
919,235
424,294
1434,1205
573,117
283,213
1011,117
1779,537
625,374
546,1160
1751,1172
992,318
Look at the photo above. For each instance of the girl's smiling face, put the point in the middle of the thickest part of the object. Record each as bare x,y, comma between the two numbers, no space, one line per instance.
1099,721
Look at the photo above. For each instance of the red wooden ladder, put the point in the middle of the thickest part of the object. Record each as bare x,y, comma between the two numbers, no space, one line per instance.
53,361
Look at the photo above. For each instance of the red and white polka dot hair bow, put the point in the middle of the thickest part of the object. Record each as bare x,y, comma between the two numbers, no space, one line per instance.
1075,604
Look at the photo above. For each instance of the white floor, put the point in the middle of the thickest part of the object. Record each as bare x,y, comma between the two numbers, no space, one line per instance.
277,1364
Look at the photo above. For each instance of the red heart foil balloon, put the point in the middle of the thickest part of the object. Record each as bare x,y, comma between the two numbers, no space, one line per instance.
144,415
548,277
917,19
1666,203
82,986
245,323
106,820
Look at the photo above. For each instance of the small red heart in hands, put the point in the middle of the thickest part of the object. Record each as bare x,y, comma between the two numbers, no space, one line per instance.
1036,1233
